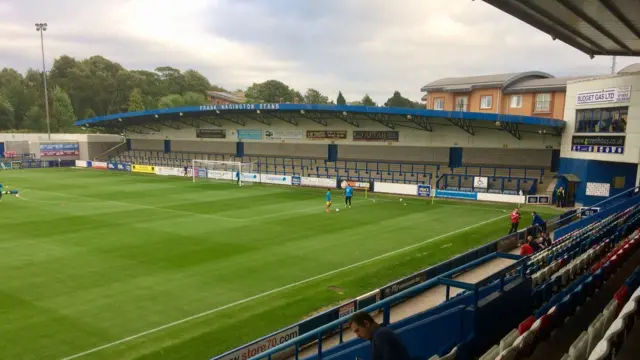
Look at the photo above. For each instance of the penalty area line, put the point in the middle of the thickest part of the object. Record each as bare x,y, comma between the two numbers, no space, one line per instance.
273,291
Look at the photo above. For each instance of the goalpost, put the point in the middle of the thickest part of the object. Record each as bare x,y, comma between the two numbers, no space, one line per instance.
221,170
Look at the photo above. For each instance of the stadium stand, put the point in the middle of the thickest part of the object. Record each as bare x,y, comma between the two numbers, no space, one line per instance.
513,313
573,276
502,179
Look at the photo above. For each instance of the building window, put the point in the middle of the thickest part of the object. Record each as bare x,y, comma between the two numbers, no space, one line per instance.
602,120
543,103
486,102
462,103
438,104
516,101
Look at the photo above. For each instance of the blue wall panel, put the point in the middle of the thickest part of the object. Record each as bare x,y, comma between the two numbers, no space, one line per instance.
455,157
167,146
598,172
332,152
555,160
239,149
128,144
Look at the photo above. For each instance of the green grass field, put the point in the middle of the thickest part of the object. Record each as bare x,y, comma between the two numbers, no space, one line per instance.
108,265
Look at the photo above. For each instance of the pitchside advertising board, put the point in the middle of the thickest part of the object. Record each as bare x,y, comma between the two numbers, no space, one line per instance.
357,185
463,195
146,169
99,165
262,345
318,182
275,179
424,190
538,199
61,149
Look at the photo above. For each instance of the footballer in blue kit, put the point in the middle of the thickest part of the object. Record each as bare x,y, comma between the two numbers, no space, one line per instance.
327,200
10,192
348,194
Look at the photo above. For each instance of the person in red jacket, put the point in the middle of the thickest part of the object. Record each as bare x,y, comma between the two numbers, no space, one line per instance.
526,249
515,220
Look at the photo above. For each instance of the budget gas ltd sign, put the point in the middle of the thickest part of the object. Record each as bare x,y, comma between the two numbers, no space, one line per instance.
611,95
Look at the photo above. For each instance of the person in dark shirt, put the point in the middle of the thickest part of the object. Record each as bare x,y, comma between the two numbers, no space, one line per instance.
385,344
533,243
537,221
545,239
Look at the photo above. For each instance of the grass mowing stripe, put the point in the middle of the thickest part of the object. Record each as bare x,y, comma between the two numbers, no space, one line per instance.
314,208
275,291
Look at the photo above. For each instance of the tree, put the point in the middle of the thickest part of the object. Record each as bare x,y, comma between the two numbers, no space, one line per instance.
6,114
170,101
340,100
62,110
35,120
196,82
191,98
136,102
367,101
173,81
89,114
271,91
313,96
20,96
397,100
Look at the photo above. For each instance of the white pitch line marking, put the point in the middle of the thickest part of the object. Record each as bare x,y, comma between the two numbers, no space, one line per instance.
208,312
446,245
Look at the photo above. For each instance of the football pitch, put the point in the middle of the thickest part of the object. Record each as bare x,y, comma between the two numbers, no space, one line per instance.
110,265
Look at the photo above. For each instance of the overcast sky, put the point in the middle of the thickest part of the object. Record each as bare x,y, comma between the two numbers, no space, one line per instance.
357,46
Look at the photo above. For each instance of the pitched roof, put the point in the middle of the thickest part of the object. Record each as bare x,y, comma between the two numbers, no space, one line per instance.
465,84
549,84
226,96
630,69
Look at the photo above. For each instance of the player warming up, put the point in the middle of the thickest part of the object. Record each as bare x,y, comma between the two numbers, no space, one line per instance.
186,171
327,200
7,192
348,194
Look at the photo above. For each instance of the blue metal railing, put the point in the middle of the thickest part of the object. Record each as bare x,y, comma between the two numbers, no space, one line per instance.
386,304
574,214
